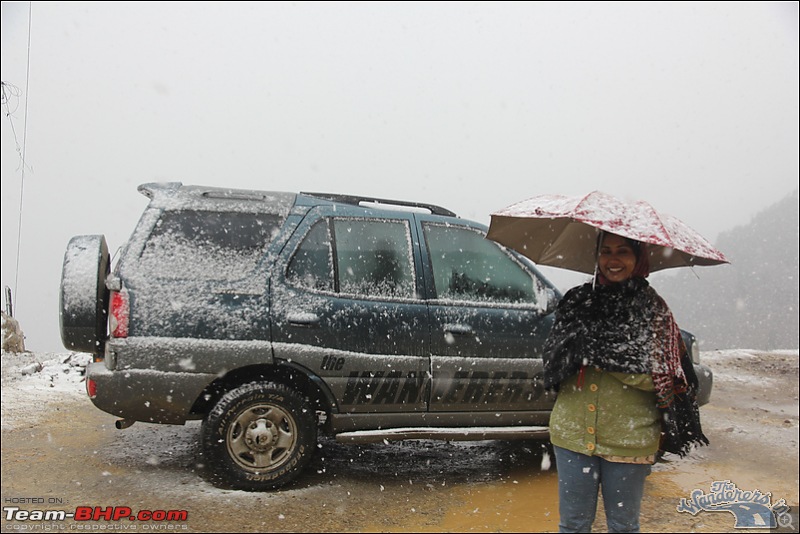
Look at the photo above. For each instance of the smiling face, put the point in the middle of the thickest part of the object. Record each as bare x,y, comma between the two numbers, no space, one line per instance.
617,258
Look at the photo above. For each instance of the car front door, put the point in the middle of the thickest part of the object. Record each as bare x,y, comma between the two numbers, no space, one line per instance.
490,315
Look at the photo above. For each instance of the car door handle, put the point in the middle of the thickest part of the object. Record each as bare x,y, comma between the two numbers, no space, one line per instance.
459,329
303,319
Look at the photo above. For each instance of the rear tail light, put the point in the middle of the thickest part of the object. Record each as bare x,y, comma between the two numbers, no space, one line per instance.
91,388
120,313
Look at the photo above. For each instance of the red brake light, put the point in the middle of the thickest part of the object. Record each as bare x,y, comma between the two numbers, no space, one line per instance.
91,388
120,313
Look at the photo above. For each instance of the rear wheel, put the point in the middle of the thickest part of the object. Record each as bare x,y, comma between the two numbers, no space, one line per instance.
259,436
83,299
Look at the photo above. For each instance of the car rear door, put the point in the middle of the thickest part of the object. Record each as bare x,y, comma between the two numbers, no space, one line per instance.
347,306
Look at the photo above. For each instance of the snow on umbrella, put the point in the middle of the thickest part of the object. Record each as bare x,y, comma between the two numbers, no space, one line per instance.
562,231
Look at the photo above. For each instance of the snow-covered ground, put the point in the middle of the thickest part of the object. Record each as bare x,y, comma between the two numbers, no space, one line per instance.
32,380
407,486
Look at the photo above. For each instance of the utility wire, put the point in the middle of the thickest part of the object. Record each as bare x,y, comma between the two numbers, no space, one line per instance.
24,145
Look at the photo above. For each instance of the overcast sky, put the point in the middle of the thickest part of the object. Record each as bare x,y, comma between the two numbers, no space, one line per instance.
473,106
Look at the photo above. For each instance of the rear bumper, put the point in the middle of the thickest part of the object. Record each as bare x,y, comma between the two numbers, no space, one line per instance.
158,380
145,395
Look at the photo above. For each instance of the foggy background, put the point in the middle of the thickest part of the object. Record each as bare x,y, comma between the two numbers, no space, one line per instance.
472,106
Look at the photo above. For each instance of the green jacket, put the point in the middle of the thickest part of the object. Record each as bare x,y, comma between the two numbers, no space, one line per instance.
612,414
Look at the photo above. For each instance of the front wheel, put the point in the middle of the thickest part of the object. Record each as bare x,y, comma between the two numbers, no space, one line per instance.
259,436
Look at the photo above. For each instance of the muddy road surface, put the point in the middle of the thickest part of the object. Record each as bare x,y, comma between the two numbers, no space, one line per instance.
61,453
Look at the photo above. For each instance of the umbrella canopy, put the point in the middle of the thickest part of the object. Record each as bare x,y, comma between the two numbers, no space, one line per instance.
562,231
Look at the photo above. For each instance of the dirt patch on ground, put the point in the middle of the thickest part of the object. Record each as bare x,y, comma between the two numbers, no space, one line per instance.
59,453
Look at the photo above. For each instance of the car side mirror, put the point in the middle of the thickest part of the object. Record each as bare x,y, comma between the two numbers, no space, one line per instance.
552,301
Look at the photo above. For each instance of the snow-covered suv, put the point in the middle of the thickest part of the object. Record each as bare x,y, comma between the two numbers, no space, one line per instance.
274,316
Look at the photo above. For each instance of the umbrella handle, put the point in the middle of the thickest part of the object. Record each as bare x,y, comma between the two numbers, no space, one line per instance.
597,258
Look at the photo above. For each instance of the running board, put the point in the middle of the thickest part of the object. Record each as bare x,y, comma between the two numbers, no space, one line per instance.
446,434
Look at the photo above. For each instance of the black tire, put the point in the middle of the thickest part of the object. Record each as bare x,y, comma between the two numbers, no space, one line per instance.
259,436
83,299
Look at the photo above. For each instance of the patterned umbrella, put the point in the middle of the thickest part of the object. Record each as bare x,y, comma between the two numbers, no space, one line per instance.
562,231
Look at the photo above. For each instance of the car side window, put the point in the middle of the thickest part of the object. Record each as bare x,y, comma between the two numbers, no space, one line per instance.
312,264
373,257
468,267
355,256
206,245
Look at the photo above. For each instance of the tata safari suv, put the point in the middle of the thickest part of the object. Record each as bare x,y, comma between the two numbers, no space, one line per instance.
277,316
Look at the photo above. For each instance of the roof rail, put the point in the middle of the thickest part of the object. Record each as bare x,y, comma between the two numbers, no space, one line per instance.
358,201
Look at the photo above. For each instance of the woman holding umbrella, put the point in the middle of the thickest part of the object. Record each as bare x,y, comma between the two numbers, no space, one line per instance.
626,388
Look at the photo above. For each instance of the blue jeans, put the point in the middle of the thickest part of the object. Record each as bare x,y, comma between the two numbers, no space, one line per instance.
580,478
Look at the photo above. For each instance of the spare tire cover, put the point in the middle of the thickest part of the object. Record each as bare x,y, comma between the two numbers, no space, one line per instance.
83,302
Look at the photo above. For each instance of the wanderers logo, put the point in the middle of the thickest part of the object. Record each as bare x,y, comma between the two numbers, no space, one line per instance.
751,509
